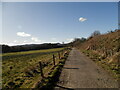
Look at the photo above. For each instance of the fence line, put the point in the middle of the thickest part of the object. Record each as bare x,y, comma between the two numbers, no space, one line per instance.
41,70
60,54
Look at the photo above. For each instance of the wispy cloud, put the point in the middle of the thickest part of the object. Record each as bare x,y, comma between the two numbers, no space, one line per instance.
69,40
81,19
35,39
15,41
23,34
24,41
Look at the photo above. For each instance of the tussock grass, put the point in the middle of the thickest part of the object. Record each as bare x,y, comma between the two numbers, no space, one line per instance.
105,50
112,68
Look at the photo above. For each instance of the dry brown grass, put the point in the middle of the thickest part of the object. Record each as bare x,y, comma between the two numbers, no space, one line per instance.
106,45
105,50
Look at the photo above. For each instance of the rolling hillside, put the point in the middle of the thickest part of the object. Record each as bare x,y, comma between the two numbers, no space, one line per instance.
104,49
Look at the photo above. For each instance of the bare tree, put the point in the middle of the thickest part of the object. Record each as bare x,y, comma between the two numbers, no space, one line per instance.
95,33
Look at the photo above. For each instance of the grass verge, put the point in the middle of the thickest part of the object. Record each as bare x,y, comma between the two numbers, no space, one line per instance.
53,77
113,68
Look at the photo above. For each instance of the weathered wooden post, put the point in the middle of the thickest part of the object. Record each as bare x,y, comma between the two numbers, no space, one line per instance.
59,54
41,69
62,52
111,52
53,59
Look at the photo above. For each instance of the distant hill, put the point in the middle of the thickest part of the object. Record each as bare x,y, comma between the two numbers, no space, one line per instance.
27,47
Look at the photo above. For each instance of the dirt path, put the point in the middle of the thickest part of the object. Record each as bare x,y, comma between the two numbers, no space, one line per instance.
81,72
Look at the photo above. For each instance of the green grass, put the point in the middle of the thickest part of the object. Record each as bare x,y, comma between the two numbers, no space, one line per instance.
16,65
30,52
53,77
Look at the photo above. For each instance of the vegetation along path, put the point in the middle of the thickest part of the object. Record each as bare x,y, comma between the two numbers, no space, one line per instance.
81,72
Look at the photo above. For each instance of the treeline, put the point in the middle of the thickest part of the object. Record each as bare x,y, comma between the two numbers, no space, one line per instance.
77,41
6,48
107,45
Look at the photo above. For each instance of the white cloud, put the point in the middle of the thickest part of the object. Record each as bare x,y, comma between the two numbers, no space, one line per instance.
15,41
81,19
69,40
24,41
23,34
35,39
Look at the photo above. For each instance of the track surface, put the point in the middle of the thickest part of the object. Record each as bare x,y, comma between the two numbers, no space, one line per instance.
81,72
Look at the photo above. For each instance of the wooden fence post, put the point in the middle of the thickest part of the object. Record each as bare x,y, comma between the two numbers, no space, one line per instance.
59,54
53,59
41,71
111,52
62,52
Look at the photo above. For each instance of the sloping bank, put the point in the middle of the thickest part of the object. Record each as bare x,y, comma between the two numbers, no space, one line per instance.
105,51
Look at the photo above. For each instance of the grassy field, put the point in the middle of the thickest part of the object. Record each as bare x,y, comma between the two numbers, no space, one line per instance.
21,69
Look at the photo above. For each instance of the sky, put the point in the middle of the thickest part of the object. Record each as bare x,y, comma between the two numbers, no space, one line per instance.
54,22
118,15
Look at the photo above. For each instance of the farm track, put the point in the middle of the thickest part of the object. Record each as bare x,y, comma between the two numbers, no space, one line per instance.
81,72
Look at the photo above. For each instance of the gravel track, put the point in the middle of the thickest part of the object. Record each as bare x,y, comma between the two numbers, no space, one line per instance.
81,72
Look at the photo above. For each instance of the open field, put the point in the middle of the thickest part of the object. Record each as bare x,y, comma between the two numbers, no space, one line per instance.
21,69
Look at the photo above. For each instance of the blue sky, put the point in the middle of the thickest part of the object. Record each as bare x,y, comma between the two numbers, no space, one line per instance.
38,22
